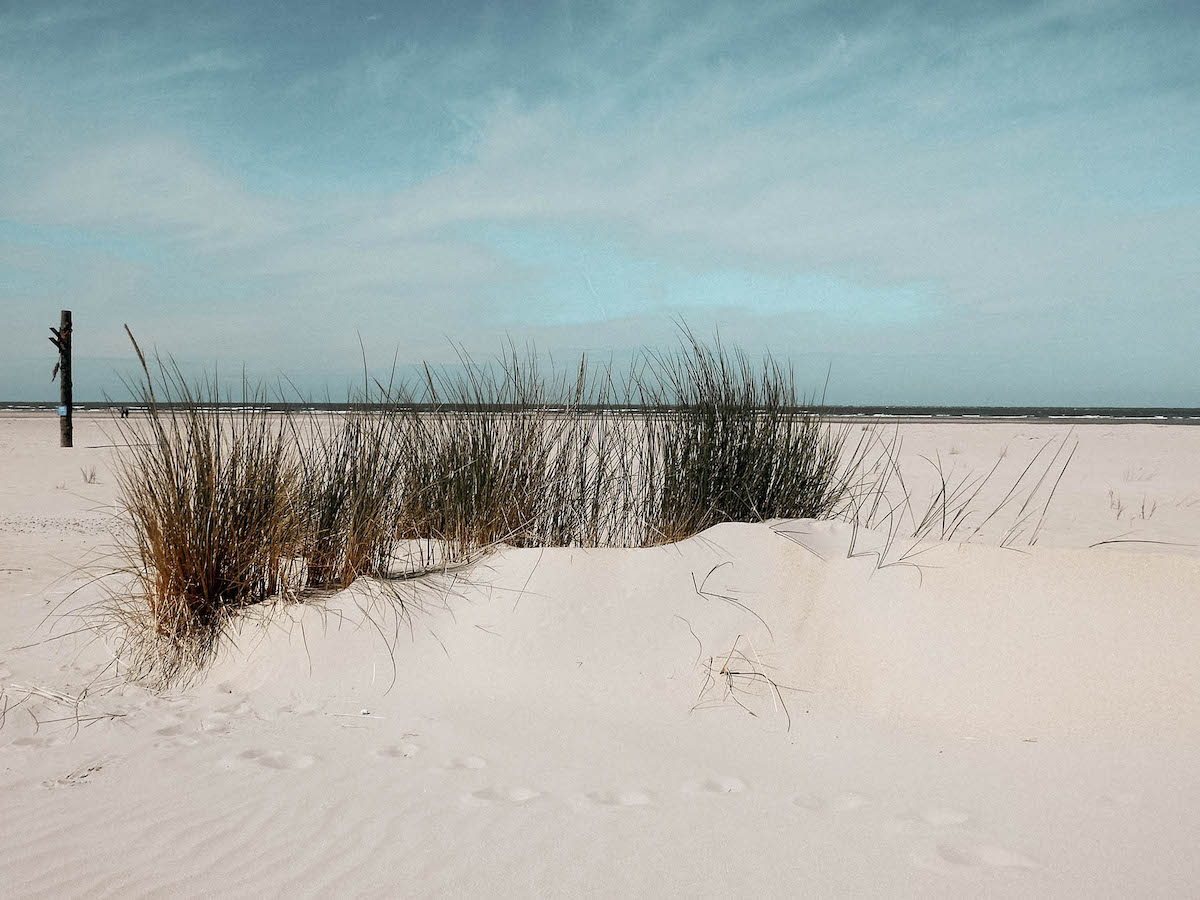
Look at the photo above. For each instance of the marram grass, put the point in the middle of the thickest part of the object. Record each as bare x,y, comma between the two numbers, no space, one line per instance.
230,509
208,502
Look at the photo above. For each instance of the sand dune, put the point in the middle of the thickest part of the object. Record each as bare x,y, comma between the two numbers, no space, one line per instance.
752,711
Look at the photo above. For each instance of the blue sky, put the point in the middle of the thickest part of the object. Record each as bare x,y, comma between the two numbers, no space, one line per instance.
944,202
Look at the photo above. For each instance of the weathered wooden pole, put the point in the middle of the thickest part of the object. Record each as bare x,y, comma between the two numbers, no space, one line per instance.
62,368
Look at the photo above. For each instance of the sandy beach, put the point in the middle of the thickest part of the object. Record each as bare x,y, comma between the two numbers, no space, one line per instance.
755,711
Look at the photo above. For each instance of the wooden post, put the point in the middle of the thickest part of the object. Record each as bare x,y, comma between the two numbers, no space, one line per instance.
62,340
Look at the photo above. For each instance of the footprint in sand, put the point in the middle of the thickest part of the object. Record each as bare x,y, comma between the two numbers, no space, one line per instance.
513,795
399,751
216,723
279,760
177,737
462,764
467,762
845,802
32,743
239,710
943,817
621,798
179,730
222,719
931,820
990,855
298,709
719,784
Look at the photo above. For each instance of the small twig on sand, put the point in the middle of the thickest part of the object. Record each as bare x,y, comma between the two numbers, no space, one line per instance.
732,689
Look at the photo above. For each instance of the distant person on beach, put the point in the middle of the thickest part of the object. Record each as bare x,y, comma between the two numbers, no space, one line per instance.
124,412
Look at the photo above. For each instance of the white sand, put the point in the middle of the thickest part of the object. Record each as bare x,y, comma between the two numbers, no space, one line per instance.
997,723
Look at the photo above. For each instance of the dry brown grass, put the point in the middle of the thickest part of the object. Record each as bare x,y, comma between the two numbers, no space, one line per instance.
210,529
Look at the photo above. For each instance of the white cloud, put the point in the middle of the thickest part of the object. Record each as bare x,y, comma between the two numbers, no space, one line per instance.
33,19
980,171
206,62
154,186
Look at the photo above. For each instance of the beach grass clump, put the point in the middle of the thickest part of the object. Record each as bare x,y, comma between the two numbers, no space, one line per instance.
727,441
596,494
206,496
348,490
477,461
687,441
474,479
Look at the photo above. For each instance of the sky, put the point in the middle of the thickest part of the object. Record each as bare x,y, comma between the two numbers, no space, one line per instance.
936,203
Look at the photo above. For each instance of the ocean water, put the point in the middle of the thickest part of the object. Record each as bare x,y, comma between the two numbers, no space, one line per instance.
1145,414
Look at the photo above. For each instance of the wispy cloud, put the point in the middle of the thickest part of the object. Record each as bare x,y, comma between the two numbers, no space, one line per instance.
33,19
151,186
207,62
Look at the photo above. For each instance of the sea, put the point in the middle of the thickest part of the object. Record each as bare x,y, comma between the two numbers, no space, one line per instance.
1114,414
